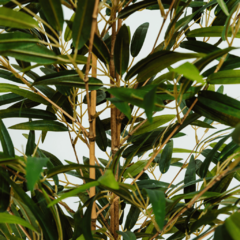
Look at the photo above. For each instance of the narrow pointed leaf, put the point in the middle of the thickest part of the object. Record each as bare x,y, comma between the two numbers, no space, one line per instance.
53,12
157,199
121,50
132,217
108,180
189,71
14,19
135,169
68,31
82,23
30,143
27,113
101,137
148,102
236,134
74,192
225,77
138,39
7,218
43,125
223,6
6,141
165,160
16,40
157,122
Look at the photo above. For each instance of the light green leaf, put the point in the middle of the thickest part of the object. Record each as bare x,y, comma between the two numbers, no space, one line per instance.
11,219
43,125
225,77
135,169
82,23
108,180
232,225
157,122
14,19
127,235
223,6
33,170
189,71
157,199
74,192
53,12
68,31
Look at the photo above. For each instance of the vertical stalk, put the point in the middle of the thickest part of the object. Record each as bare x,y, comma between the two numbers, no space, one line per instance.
92,134
115,123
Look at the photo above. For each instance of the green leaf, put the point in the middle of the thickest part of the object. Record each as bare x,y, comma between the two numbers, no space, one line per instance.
135,7
157,122
9,98
68,31
201,124
232,225
127,235
74,192
156,62
206,163
53,12
121,50
122,106
69,81
236,134
14,19
7,218
135,169
82,23
108,180
101,137
214,31
223,6
30,143
148,102
166,156
6,141
5,193
157,199
16,40
132,217
24,93
138,39
225,77
65,168
33,170
44,125
190,176
189,71
34,53
27,113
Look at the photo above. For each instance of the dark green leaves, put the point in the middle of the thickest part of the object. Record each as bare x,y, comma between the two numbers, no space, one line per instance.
33,170
165,160
16,40
6,141
101,138
53,12
156,62
27,113
157,199
4,191
138,39
44,125
236,134
14,19
148,101
82,23
190,176
122,106
121,50
127,235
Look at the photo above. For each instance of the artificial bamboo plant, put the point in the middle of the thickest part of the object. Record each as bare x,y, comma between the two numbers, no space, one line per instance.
67,73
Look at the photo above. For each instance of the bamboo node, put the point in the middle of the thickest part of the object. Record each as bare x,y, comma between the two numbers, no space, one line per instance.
92,138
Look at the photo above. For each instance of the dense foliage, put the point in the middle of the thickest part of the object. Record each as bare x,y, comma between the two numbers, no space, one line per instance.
54,67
